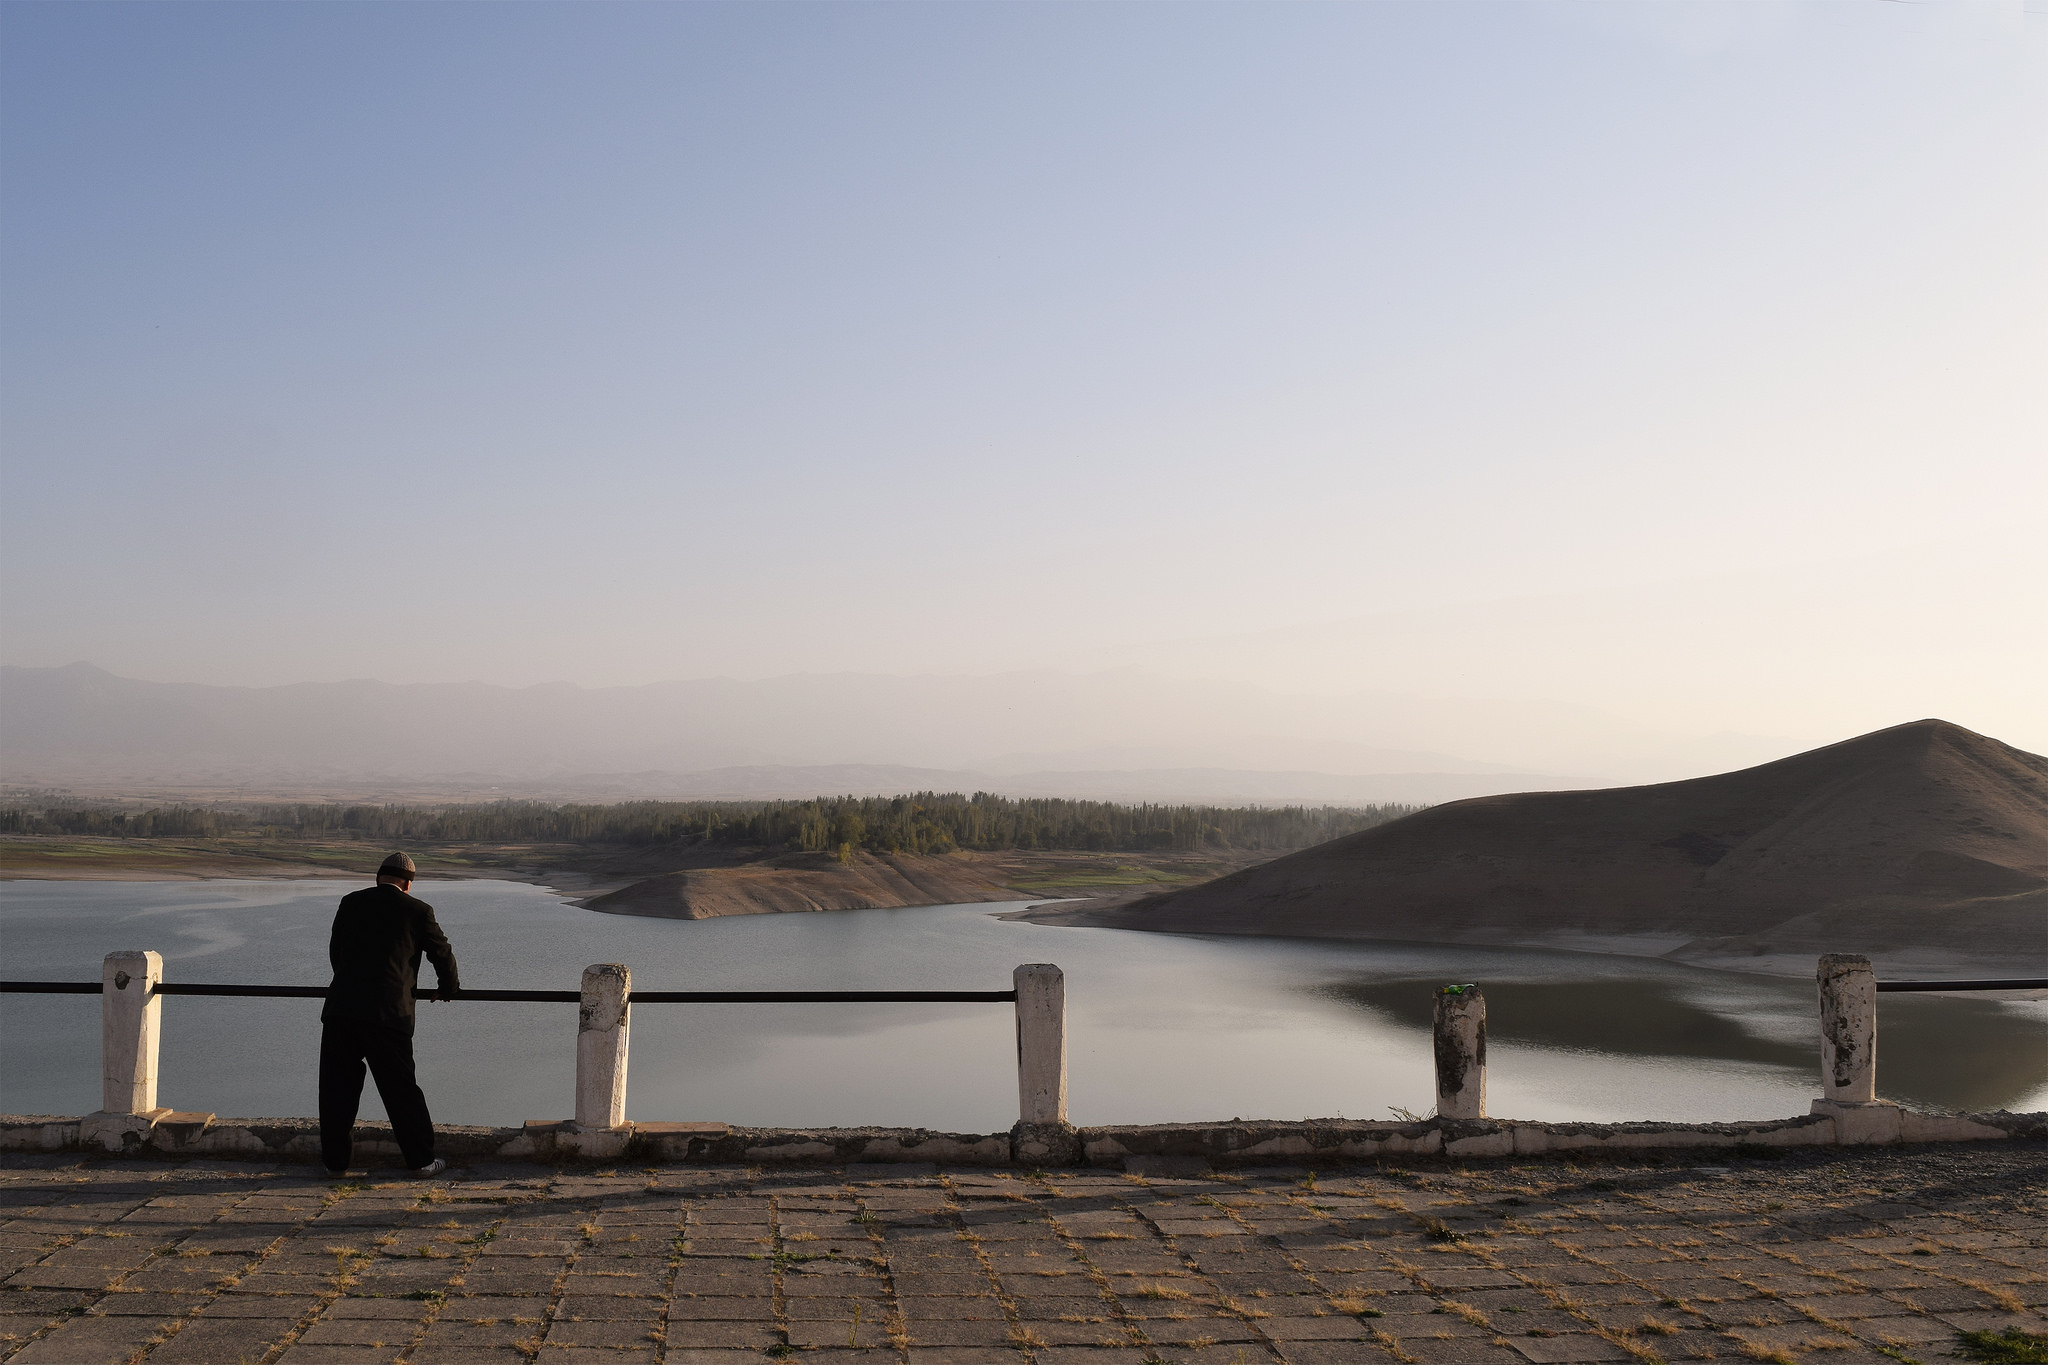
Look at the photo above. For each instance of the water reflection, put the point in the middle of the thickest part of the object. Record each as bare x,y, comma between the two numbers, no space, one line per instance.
1162,1028
1960,1053
1933,1051
1635,1018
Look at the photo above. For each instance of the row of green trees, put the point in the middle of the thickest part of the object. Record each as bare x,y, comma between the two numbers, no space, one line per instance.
925,822
163,822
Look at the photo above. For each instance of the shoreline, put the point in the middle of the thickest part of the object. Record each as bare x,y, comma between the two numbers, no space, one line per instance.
584,891
1790,966
670,881
1791,962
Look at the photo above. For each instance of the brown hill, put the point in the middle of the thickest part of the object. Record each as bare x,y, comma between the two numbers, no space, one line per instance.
1925,845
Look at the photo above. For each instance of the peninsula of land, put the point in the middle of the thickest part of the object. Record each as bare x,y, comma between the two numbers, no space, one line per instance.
1924,846
688,860
760,882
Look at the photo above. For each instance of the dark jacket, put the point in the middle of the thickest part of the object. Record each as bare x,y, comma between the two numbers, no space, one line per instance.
380,934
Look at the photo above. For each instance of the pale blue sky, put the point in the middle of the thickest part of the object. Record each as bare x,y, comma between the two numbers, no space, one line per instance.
614,343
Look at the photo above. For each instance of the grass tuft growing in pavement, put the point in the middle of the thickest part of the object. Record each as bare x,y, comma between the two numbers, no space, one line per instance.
2010,1347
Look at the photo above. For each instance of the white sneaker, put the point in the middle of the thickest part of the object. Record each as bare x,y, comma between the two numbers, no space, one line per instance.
432,1168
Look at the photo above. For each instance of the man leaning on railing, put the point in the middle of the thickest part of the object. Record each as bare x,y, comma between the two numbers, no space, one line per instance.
380,934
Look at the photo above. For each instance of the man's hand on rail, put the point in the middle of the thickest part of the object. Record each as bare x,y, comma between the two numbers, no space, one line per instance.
445,992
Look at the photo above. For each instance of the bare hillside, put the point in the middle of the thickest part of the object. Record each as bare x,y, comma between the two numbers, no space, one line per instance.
1925,845
804,882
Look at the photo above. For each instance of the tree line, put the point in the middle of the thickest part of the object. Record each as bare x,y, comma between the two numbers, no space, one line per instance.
924,822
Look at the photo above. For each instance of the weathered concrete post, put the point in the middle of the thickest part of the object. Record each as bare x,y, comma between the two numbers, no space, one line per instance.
1460,1053
1041,1043
1848,1052
131,1021
131,1015
602,1025
1848,1028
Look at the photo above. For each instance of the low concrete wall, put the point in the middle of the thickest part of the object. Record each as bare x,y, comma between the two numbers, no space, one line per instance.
170,1135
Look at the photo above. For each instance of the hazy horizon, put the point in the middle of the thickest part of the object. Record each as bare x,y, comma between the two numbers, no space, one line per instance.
1605,391
1123,734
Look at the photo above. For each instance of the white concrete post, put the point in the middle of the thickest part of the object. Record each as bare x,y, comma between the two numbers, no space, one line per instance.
1041,1042
130,1022
1848,1028
602,1026
1460,1053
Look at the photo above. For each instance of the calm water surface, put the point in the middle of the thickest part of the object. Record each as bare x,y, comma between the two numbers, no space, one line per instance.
1161,1028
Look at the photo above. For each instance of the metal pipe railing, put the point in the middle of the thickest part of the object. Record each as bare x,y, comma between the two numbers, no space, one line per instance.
1848,1017
544,997
132,990
2013,983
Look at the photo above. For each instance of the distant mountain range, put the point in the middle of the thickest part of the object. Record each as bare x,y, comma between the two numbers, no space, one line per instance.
1124,735
1924,845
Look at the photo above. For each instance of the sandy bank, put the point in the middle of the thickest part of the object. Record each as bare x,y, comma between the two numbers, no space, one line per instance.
803,883
678,881
1792,959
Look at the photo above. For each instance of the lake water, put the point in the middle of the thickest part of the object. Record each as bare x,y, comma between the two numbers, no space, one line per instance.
1160,1028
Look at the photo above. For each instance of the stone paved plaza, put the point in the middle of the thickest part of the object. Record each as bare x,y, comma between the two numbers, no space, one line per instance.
1849,1257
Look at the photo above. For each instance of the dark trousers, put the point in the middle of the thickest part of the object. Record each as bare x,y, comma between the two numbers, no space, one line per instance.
345,1048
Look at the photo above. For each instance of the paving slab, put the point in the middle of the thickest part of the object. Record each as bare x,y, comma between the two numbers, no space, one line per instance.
1505,1262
